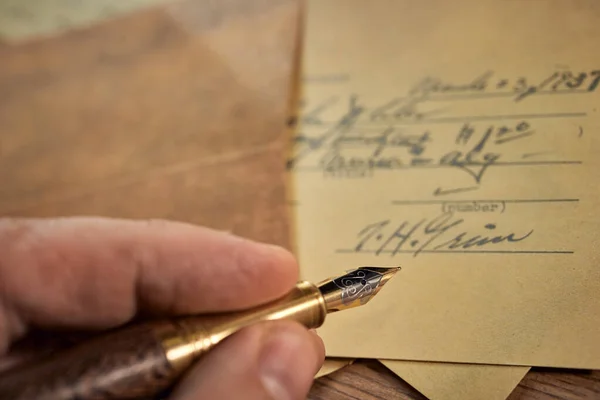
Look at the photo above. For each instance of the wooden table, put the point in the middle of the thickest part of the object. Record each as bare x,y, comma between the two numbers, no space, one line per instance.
84,123
370,380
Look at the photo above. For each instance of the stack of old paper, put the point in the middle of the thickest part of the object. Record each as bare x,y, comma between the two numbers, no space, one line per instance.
457,139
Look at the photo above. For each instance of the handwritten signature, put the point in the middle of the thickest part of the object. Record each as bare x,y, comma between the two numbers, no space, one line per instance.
442,233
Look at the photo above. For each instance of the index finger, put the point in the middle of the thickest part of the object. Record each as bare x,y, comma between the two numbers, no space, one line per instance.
99,272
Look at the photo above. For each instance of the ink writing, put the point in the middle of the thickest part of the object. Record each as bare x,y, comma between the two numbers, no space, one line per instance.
347,137
442,233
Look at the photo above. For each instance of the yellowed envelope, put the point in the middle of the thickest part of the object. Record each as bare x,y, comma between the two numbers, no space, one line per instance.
27,19
456,139
449,381
331,365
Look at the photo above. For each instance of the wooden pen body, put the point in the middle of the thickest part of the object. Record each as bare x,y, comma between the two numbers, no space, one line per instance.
127,364
144,361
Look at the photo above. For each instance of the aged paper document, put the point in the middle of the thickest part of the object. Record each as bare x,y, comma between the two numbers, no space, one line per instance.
442,381
456,139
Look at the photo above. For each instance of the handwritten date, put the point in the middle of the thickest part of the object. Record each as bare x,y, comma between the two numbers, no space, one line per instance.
522,87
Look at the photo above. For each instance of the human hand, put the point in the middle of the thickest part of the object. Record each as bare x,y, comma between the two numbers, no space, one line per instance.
97,273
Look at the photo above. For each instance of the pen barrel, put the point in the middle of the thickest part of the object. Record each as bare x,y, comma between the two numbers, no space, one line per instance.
144,361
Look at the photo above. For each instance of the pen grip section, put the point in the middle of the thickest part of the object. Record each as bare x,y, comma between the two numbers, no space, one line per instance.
127,364
303,304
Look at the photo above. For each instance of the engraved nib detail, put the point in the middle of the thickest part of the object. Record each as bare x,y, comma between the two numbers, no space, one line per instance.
355,288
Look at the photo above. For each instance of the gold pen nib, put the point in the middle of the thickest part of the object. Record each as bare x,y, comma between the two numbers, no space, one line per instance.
355,288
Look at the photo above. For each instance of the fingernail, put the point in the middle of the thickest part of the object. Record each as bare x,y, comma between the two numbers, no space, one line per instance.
280,352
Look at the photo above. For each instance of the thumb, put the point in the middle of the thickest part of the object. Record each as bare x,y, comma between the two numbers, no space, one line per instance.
269,361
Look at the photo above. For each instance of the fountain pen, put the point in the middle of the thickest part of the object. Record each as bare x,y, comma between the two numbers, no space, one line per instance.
144,361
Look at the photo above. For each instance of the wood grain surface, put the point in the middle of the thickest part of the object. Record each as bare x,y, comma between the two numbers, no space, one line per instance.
370,380
177,113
